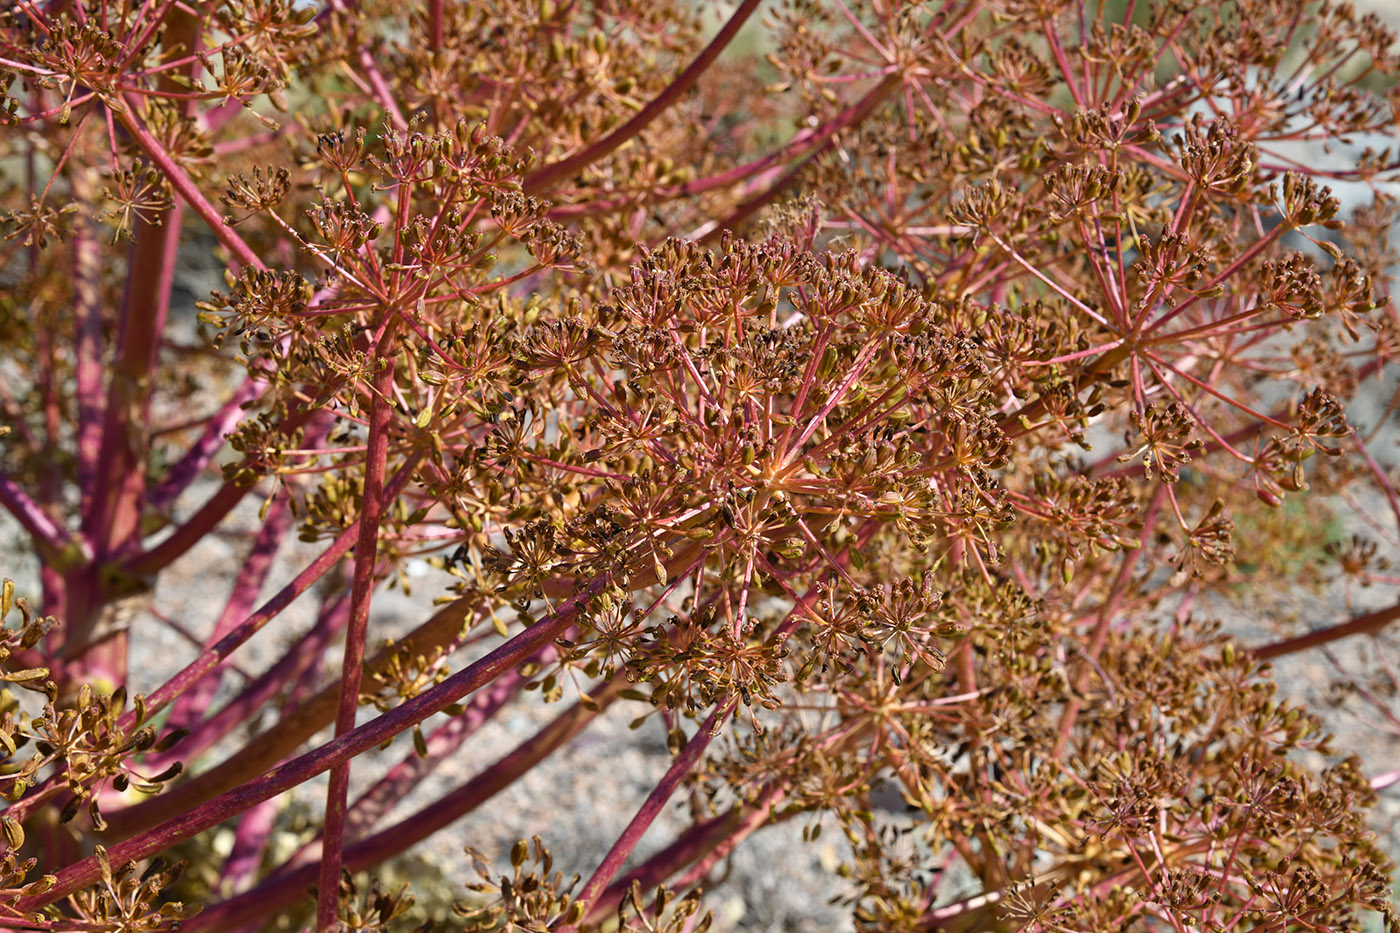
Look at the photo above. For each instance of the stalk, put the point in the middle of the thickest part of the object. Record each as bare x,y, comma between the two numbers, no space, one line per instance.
264,751
362,587
547,176
650,808
1370,623
285,887
87,871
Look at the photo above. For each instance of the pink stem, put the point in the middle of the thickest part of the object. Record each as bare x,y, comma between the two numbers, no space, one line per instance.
849,117
202,452
211,658
49,539
185,186
119,486
249,846
246,587
200,525
87,345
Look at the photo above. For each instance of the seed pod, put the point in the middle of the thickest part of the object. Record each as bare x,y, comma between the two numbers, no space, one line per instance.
170,739
104,864
70,810
42,886
14,832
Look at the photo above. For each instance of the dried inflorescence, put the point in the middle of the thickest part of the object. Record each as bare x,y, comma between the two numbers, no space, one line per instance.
884,429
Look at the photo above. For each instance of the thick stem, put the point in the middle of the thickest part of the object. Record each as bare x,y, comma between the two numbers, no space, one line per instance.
435,24
87,342
294,727
119,485
282,888
87,871
371,806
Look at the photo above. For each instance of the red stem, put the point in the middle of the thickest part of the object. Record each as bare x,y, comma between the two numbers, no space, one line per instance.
186,536
282,888
1368,624
113,522
186,825
214,510
849,117
801,145
441,744
361,592
435,24
651,808
548,175
290,668
371,805
699,847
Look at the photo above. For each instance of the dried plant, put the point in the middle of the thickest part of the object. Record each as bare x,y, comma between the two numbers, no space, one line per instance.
880,407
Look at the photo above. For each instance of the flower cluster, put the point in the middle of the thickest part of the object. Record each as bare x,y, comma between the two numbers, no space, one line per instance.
877,393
